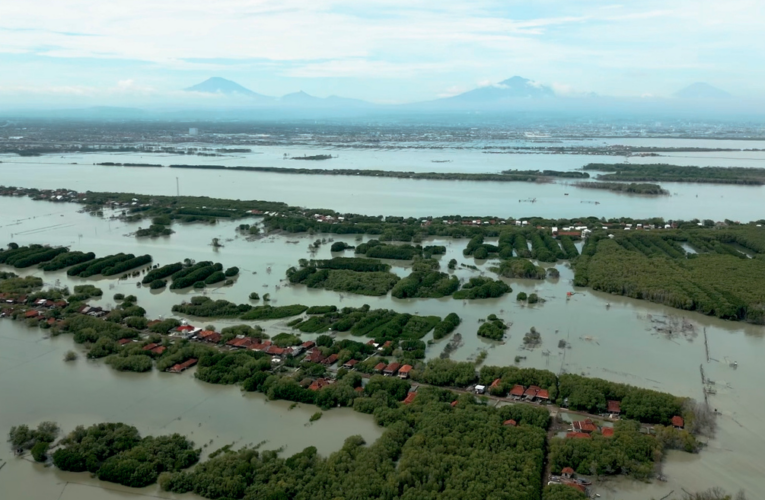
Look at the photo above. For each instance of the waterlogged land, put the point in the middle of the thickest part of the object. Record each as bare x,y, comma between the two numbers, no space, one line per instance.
675,173
597,337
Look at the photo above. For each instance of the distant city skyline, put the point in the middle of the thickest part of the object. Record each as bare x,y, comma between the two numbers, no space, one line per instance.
391,51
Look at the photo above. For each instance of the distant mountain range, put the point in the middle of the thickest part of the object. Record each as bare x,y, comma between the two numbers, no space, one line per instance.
513,92
701,90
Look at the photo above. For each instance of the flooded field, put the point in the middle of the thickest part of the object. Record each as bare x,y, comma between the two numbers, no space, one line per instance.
611,337
404,197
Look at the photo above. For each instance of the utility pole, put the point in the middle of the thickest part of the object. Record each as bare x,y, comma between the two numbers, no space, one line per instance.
177,187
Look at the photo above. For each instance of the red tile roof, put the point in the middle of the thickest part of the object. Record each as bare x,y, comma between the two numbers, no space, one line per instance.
380,366
517,390
577,435
392,368
584,426
318,384
510,422
567,470
308,344
410,398
149,347
31,314
614,407
159,349
351,363
405,369
124,341
531,391
496,382
607,432
543,394
677,421
314,357
454,403
182,366
331,360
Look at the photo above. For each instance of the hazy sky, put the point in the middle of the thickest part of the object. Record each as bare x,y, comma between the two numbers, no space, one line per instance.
385,51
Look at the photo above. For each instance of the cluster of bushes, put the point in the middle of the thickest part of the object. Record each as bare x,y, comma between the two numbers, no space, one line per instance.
194,275
377,250
446,326
37,440
161,273
67,259
117,453
493,328
154,231
14,285
205,307
21,257
425,281
85,292
482,288
340,246
97,266
380,324
374,283
516,267
271,312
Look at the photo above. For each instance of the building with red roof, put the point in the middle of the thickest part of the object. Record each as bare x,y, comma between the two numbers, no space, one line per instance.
531,392
310,344
511,423
331,360
178,368
517,391
159,349
314,356
379,367
678,422
350,363
410,398
149,347
403,372
577,435
495,383
318,384
614,407
124,341
584,426
391,369
543,395
454,403
607,432
567,472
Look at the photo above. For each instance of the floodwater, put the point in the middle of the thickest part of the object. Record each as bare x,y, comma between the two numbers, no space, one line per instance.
610,337
404,197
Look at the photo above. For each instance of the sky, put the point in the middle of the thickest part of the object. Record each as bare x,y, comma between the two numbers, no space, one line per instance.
385,51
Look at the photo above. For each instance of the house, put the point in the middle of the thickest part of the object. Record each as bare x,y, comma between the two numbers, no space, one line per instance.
517,391
480,389
124,341
410,398
454,403
184,329
379,367
310,344
543,395
180,367
577,435
677,422
496,383
350,363
275,350
614,407
32,314
314,356
149,347
159,349
403,372
607,432
510,423
584,426
318,384
391,369
531,393
331,360
567,473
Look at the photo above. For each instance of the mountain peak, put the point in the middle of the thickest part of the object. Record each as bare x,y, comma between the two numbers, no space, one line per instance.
511,89
701,90
218,85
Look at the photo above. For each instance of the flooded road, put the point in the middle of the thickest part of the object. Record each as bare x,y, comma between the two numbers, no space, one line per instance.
610,337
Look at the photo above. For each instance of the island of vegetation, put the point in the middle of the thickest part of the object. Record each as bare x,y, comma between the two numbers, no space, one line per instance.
629,188
662,172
